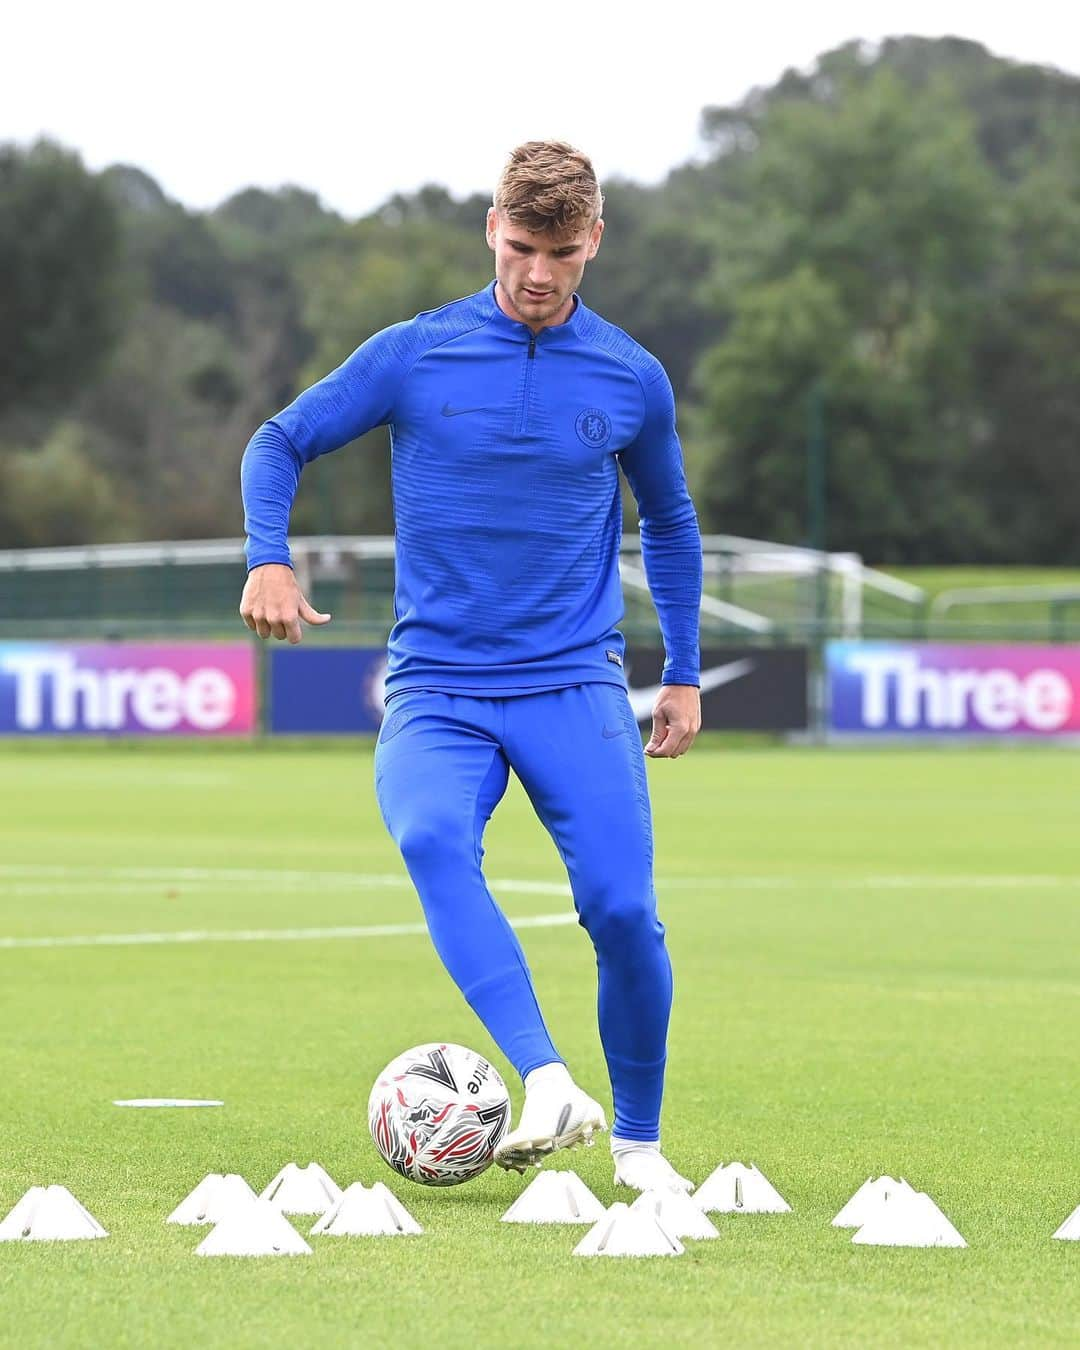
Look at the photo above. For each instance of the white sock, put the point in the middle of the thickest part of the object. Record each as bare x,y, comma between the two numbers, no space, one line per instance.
633,1146
551,1075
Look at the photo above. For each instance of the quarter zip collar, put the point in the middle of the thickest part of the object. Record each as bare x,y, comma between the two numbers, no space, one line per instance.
547,337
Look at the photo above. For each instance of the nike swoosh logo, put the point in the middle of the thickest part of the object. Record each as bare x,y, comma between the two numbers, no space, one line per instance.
610,735
642,700
447,411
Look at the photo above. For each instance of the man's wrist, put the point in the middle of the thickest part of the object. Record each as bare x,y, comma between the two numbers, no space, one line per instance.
270,562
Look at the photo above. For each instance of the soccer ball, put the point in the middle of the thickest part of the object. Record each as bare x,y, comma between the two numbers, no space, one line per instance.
437,1112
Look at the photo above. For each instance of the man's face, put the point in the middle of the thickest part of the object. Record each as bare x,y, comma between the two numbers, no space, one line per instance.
538,273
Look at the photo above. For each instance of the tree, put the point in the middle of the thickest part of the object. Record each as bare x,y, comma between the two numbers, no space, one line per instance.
56,494
286,214
60,274
898,227
1028,365
858,254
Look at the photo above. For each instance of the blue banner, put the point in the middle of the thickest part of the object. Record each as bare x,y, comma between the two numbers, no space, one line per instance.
340,689
326,689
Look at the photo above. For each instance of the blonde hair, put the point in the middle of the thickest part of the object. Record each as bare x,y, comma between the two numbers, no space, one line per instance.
549,187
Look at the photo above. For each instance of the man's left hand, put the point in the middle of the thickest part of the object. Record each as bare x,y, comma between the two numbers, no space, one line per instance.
676,720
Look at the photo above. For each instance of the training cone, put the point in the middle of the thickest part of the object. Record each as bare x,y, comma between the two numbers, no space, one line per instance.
213,1198
677,1213
255,1229
396,1208
738,1189
874,1192
302,1190
18,1218
908,1219
1070,1229
627,1232
367,1213
49,1214
555,1197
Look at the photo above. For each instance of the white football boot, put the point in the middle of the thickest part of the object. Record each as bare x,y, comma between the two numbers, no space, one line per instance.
643,1167
556,1114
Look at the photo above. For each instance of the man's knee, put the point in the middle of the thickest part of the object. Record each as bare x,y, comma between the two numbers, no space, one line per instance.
433,838
619,918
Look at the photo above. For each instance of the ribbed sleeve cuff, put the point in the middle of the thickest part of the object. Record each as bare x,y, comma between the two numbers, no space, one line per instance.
260,557
681,675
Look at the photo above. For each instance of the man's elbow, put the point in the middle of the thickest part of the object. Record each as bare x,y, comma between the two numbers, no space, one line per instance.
679,521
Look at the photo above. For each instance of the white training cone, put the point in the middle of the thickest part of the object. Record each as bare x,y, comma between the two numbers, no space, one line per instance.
213,1198
367,1213
19,1217
302,1190
396,1208
738,1189
864,1203
256,1229
1070,1229
908,1219
678,1214
555,1197
626,1232
49,1214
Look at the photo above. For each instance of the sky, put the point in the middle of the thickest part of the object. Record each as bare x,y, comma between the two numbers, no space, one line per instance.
358,101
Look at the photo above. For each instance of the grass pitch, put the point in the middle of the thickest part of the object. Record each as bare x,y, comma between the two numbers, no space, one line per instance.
876,971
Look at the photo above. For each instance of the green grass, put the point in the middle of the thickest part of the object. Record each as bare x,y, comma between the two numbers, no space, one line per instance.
876,971
934,580
1027,619
792,602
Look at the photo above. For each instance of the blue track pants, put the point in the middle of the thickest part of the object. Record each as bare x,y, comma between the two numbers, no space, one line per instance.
441,767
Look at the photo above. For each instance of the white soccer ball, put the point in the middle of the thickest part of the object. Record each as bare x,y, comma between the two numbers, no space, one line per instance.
437,1112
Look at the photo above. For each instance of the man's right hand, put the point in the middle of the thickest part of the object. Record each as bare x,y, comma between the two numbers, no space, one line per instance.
273,605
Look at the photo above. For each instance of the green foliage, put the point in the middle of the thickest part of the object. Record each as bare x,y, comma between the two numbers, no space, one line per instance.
635,282
60,269
288,215
186,268
898,227
58,495
172,415
870,246
1028,355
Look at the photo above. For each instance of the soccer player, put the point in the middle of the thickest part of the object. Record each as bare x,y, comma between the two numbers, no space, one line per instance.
511,412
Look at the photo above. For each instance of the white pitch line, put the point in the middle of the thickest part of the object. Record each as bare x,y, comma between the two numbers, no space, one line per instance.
23,889
928,881
262,934
991,882
87,886
253,876
132,876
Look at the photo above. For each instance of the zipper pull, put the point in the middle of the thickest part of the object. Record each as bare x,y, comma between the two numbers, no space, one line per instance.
532,345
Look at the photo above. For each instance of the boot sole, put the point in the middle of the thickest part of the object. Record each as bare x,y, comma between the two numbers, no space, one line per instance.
515,1155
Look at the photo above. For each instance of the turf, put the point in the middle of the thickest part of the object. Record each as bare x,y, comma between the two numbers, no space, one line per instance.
876,971
934,580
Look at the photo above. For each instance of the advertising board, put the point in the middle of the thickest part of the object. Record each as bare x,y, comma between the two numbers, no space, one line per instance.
932,689
328,690
340,689
127,688
742,688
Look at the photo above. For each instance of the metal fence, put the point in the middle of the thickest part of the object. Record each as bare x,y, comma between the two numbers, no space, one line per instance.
755,591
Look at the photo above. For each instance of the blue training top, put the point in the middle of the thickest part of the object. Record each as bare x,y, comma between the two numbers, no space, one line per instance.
506,494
